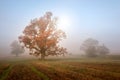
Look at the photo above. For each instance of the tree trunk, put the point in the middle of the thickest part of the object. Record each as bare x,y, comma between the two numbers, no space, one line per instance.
42,56
16,55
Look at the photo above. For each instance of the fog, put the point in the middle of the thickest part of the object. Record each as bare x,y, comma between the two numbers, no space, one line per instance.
88,19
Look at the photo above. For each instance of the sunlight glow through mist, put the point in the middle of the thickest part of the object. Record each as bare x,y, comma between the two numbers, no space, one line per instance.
64,22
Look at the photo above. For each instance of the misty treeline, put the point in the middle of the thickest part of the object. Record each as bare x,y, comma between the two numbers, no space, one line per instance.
41,37
92,48
16,48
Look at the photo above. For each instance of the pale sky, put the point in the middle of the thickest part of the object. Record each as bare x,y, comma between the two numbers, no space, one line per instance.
97,19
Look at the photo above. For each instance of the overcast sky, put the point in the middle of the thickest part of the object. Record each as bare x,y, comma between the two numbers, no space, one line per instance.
98,19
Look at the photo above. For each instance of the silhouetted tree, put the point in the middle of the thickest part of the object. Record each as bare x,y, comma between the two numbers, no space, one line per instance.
17,49
89,46
103,50
42,36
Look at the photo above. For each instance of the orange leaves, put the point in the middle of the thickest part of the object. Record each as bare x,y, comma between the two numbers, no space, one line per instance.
30,30
51,43
56,50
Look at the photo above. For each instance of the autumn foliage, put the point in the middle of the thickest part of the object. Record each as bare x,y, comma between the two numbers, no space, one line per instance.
42,36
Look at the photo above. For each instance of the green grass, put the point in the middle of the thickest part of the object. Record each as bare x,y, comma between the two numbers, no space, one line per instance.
42,75
5,73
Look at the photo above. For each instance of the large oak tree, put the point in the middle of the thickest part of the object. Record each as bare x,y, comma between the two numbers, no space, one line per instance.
42,36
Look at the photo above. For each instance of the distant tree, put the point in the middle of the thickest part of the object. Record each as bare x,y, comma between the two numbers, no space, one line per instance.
42,36
17,49
103,50
89,46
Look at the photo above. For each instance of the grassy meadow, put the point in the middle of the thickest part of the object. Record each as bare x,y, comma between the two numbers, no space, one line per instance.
19,68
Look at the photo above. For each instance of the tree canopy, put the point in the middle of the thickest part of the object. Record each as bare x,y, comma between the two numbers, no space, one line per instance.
17,49
92,48
42,36
103,50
